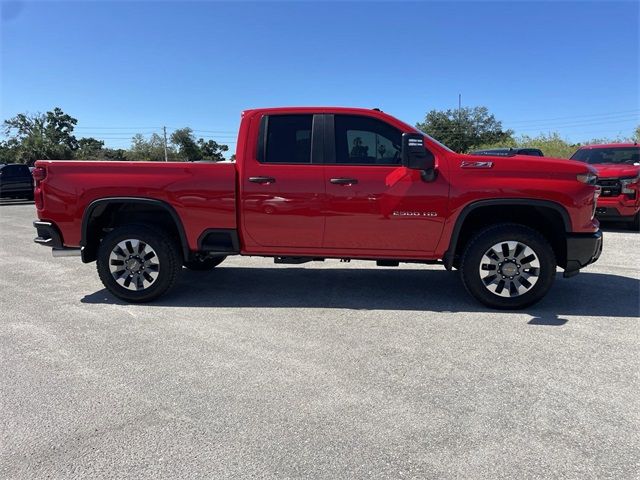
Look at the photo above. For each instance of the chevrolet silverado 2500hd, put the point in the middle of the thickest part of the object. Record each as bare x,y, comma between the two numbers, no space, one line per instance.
618,169
317,183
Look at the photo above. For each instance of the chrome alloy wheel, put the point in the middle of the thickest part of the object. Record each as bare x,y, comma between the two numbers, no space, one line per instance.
509,269
134,264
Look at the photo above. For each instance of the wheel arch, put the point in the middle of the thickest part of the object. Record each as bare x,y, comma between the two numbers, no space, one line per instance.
100,214
550,218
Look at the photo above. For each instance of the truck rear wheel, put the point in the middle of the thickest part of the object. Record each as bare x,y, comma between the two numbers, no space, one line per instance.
138,263
508,266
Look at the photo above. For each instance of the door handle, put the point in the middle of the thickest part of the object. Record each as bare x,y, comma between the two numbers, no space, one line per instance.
265,180
344,181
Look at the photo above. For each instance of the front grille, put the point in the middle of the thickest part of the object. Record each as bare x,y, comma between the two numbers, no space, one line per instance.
610,188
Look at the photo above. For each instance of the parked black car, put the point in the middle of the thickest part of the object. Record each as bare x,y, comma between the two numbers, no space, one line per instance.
16,181
509,152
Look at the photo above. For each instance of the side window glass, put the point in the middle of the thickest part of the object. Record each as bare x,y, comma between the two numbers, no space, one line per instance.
366,141
288,139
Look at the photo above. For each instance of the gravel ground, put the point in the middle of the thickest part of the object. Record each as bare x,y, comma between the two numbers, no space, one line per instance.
324,370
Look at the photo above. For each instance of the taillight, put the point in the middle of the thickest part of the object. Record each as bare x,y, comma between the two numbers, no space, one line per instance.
39,174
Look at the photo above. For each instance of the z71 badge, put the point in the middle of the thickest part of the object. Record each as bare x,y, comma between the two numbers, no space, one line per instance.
398,213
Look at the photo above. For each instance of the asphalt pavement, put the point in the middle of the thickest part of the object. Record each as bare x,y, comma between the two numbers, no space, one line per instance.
323,370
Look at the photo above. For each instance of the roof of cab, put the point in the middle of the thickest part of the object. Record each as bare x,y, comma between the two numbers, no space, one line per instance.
372,112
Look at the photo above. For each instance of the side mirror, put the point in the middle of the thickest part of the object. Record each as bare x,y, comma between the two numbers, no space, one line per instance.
416,156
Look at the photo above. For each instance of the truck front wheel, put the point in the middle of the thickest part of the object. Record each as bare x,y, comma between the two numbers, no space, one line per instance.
138,263
508,266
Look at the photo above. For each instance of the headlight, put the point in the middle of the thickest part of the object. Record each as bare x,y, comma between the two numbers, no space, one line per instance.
628,183
588,178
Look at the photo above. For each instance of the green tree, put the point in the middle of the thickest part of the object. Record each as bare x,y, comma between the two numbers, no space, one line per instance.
211,150
464,129
43,135
636,135
89,148
146,150
192,150
186,144
115,154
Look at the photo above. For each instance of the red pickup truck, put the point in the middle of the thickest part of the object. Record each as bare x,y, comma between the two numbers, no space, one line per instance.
618,167
317,183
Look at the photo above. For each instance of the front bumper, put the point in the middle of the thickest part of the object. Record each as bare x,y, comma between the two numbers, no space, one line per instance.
615,215
582,249
620,208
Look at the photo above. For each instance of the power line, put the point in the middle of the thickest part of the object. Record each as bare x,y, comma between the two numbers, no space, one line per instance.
592,121
454,128
117,128
628,112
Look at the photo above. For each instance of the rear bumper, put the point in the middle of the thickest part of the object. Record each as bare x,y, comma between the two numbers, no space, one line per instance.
582,249
48,234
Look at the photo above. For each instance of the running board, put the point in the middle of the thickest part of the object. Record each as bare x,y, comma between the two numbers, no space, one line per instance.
296,260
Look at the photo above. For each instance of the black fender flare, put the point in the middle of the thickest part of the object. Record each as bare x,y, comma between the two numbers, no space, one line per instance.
102,203
449,255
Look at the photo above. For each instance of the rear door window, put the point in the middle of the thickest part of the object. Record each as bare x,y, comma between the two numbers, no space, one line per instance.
288,139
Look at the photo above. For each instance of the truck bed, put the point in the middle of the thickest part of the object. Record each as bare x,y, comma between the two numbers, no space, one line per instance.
202,194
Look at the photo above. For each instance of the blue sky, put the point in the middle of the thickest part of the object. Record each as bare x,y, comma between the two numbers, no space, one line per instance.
124,67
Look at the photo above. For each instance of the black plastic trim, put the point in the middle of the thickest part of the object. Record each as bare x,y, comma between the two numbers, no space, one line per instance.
262,139
48,235
329,139
582,250
317,139
104,202
219,240
449,255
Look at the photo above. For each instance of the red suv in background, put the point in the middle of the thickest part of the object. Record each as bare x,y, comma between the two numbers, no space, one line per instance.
618,167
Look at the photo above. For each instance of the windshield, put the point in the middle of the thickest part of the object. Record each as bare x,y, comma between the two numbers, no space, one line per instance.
614,155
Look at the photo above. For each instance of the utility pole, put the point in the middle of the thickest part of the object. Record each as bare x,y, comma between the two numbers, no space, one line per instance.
165,144
460,117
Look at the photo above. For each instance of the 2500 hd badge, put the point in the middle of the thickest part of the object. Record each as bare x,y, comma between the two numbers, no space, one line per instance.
397,213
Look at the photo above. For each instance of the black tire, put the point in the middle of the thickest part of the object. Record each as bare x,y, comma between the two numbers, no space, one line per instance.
474,264
204,264
165,254
635,224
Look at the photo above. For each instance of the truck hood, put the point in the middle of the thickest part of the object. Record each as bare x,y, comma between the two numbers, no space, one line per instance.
538,166
608,170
